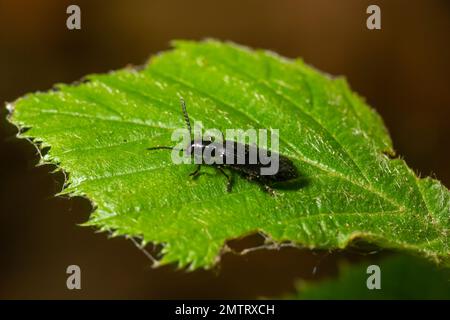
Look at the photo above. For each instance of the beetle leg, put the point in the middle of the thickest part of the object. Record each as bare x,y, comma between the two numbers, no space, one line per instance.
196,172
269,190
264,187
229,179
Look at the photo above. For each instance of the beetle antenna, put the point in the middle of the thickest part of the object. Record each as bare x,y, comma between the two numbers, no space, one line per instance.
186,116
161,147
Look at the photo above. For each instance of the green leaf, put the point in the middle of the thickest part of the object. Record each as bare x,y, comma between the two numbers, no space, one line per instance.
401,277
99,130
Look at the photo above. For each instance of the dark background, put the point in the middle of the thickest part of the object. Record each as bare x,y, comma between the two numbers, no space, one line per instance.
403,71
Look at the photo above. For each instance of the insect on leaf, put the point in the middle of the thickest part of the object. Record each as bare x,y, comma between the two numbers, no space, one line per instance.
98,132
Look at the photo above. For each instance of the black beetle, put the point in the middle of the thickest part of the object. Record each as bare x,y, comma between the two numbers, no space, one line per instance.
250,170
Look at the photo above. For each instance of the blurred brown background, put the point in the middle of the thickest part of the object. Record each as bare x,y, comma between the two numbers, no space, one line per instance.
403,71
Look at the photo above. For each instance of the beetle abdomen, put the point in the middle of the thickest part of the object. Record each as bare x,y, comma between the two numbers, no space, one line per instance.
249,160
